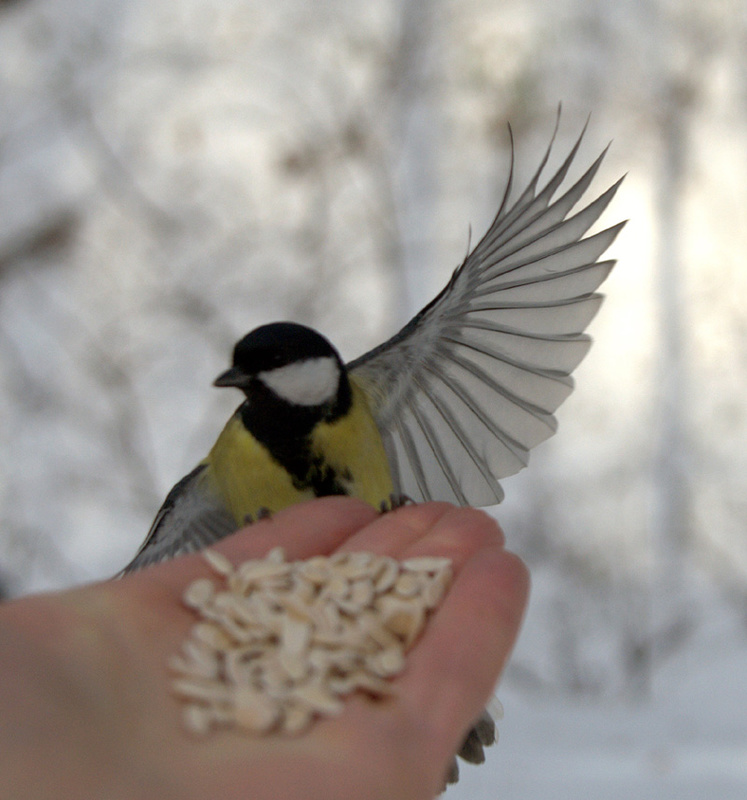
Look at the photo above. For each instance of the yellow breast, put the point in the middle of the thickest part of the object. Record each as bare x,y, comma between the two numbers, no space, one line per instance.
352,446
249,479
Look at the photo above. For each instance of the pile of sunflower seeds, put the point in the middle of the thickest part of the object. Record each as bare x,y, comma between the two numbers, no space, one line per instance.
283,642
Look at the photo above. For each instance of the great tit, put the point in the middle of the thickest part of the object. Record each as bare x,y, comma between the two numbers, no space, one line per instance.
442,410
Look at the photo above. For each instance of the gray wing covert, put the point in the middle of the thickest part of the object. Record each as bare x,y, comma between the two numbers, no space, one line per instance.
190,519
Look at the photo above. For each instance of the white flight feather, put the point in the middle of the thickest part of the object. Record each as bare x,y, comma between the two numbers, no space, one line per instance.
470,385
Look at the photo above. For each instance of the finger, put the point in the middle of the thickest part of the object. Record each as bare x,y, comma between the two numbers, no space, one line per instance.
453,669
394,530
316,527
438,529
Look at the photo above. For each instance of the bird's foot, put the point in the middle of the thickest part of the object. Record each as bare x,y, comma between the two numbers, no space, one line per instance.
394,501
263,513
480,736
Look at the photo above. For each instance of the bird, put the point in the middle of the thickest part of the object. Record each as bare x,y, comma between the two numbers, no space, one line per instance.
443,410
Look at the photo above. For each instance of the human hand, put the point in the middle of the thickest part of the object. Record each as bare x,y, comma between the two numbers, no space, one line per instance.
86,708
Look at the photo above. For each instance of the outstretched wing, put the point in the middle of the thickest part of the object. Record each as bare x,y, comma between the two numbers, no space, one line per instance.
470,384
191,518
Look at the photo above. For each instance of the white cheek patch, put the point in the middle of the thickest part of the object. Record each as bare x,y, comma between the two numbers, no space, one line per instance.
305,383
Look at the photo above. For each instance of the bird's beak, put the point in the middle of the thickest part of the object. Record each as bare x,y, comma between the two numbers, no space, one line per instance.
231,377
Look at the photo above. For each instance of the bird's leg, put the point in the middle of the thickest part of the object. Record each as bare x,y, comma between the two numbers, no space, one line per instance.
263,513
394,501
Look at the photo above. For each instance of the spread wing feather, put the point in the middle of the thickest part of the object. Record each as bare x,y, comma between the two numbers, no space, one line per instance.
470,384
191,518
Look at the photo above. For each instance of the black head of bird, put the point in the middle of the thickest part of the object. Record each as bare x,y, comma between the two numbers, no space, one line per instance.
291,368
293,379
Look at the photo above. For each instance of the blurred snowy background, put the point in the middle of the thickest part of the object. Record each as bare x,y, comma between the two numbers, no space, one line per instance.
175,172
